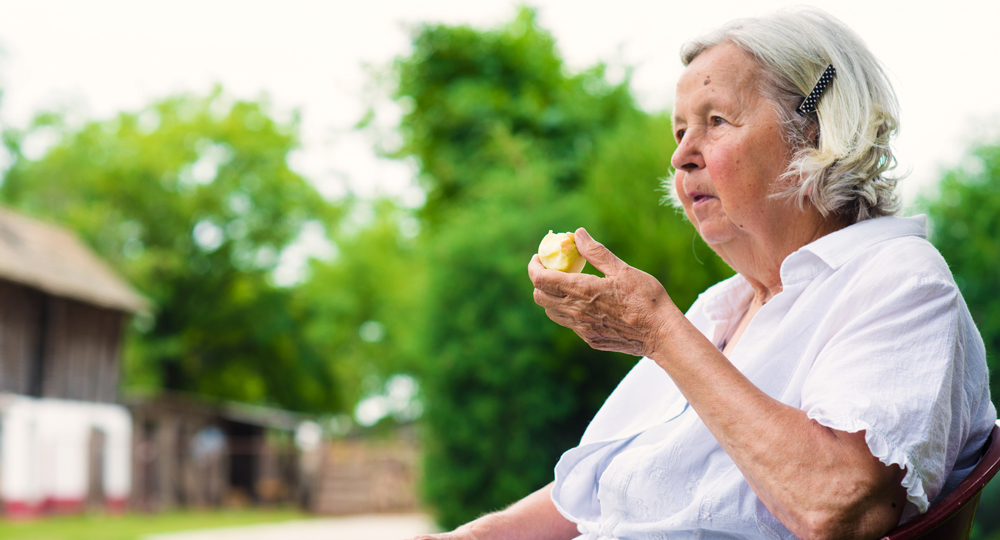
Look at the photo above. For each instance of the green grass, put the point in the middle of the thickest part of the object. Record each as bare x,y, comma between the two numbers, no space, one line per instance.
134,526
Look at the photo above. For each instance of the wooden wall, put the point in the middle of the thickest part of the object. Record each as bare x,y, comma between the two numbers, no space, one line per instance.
77,342
360,476
20,320
81,351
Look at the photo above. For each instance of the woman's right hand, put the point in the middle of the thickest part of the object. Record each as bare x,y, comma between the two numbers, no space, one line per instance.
625,311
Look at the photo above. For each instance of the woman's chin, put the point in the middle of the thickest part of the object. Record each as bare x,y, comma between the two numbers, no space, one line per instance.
715,234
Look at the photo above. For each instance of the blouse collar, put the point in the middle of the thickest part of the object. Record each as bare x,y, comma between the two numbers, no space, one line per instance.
829,252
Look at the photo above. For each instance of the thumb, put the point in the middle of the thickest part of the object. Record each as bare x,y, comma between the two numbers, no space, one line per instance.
596,254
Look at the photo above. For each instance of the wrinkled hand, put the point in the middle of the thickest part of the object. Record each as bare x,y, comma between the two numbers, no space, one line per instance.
624,311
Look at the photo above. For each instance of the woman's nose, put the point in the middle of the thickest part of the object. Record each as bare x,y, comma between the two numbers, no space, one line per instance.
687,157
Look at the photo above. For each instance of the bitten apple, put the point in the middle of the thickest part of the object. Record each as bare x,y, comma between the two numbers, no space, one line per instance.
558,252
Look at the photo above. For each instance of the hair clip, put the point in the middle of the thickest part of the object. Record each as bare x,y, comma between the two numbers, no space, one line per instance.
809,103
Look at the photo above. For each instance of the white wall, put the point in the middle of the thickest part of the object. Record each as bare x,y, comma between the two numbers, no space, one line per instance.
44,450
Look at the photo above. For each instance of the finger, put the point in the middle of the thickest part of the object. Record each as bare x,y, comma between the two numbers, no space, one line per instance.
596,254
612,345
555,282
535,269
547,299
540,275
554,307
561,318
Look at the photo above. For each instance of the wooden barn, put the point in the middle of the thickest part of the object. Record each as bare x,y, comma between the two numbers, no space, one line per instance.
196,453
68,442
65,442
62,312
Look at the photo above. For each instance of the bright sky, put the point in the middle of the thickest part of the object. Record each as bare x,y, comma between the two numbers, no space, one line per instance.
102,56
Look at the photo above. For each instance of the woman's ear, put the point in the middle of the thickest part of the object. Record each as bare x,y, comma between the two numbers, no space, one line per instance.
812,132
807,188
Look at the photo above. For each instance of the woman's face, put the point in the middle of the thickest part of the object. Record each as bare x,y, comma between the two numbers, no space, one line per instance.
730,149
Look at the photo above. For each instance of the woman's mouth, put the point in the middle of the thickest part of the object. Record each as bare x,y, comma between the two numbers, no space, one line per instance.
698,197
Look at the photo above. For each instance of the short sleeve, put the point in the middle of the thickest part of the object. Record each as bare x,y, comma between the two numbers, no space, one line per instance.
894,367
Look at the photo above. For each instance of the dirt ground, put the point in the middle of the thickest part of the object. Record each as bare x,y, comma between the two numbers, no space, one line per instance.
365,527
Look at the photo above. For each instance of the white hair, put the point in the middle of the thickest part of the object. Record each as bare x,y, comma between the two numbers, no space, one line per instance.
841,152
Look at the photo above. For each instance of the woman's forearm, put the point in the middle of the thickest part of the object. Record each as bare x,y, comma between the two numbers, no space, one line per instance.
532,518
819,482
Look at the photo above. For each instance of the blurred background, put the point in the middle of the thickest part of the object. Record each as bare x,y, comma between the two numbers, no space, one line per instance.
266,261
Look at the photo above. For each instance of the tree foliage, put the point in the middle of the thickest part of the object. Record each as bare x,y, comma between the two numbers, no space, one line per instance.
965,219
510,145
366,298
192,200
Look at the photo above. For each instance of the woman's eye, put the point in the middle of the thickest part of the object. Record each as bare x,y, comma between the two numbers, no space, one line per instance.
680,134
717,120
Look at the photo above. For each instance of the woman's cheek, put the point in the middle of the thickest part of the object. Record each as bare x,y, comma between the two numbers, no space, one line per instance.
681,194
679,190
723,168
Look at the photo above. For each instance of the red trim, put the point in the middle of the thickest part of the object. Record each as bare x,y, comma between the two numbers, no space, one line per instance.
17,510
116,506
21,510
54,505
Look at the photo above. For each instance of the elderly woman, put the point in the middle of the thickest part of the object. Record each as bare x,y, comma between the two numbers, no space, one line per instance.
835,385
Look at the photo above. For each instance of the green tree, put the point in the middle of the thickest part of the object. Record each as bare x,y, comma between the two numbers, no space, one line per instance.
965,219
510,145
192,200
366,298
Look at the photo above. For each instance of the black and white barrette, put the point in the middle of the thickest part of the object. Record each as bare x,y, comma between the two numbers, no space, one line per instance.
809,103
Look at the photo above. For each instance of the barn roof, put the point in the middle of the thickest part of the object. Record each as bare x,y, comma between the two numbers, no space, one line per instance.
195,405
54,260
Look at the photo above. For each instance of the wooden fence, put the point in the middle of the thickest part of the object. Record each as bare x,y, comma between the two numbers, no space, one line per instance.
358,476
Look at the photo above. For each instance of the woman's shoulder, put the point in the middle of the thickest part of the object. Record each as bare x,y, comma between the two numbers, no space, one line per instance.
889,252
908,261
885,279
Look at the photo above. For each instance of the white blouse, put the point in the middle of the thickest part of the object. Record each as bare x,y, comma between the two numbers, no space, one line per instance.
869,333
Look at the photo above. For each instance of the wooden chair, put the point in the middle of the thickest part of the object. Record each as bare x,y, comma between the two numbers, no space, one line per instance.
951,517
